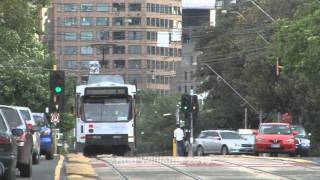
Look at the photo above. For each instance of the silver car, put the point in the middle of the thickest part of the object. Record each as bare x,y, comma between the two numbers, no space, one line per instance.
221,142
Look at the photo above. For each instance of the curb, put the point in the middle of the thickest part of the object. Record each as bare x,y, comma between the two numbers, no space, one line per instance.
78,167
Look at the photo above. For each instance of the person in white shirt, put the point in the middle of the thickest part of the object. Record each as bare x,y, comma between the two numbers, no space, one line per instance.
178,135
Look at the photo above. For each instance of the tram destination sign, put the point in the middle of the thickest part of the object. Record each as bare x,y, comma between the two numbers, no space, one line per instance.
109,91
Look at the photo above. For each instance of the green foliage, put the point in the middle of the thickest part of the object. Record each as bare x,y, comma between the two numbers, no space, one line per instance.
236,51
154,131
23,59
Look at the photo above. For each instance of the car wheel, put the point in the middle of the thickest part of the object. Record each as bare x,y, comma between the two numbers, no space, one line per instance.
200,151
36,158
224,150
26,169
293,154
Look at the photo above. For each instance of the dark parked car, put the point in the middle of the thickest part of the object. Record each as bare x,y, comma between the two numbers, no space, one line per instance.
24,141
302,140
45,135
8,149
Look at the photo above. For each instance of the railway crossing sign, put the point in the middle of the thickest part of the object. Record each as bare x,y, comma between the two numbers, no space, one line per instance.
55,117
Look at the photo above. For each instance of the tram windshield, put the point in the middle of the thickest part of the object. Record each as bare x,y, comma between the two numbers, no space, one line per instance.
107,110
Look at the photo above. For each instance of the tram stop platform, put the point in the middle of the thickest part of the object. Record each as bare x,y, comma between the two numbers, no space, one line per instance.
78,167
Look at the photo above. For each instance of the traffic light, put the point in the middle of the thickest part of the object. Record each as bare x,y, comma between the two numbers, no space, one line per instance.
57,79
278,68
195,110
186,103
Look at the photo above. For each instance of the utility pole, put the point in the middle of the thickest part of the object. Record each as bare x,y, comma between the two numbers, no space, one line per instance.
190,153
245,117
177,114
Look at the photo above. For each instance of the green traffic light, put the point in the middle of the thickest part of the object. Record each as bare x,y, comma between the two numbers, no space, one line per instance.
57,89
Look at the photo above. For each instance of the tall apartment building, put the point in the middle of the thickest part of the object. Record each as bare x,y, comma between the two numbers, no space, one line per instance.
138,39
194,14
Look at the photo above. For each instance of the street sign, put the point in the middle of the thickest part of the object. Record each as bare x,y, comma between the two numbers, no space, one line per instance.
55,117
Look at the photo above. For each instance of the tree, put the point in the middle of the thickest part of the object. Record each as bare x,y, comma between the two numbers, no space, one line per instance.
23,59
235,49
154,131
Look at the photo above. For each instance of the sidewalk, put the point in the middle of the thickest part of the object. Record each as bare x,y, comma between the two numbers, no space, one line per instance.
78,167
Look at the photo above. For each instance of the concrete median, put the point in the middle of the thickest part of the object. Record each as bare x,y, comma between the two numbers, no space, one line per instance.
78,167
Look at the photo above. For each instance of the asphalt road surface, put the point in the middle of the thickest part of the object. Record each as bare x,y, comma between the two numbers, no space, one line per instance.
42,171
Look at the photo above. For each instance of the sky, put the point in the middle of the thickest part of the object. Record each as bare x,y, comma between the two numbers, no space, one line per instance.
201,4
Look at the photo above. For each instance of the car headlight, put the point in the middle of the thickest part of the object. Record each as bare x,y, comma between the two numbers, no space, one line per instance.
305,142
260,140
291,140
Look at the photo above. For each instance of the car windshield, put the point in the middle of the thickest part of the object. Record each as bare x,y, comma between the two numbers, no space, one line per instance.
110,110
230,135
274,129
300,129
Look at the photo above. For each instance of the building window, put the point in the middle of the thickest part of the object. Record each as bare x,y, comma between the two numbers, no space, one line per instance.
119,35
135,35
86,21
185,76
134,21
84,64
70,50
151,36
87,35
100,51
134,64
70,36
70,21
118,21
134,7
86,50
118,7
102,7
70,7
59,7
70,64
134,49
86,7
119,64
102,35
179,88
102,21
119,49
185,89
191,75
134,78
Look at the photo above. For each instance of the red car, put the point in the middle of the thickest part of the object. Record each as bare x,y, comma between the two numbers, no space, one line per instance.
275,138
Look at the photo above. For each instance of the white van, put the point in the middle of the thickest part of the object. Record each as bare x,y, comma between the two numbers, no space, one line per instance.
26,115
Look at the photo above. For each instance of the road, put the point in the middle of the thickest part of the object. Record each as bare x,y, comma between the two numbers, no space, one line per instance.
42,171
209,167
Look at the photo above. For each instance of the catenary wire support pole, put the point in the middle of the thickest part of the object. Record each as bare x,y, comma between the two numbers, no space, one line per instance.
190,152
177,114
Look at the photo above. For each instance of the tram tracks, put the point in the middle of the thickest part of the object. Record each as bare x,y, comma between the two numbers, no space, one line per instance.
123,175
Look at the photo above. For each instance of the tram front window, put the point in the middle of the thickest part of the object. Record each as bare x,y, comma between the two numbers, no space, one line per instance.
109,110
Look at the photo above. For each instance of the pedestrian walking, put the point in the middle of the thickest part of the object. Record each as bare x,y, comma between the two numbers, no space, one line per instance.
178,135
